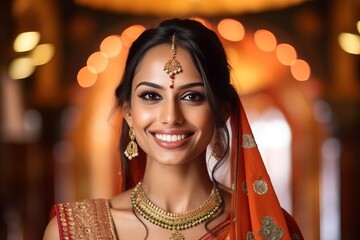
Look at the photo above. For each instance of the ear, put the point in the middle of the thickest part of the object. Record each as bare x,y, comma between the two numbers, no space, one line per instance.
127,114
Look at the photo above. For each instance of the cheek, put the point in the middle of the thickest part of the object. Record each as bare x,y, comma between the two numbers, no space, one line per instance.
203,119
141,117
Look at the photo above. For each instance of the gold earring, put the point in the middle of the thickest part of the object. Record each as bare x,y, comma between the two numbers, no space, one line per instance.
132,148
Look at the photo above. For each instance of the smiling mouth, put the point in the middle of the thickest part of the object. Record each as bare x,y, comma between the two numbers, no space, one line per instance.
171,137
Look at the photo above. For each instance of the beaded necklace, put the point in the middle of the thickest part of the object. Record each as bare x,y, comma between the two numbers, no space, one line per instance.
172,221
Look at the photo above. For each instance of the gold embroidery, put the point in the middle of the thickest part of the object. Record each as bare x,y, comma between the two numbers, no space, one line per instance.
269,230
248,141
88,220
176,235
260,187
250,236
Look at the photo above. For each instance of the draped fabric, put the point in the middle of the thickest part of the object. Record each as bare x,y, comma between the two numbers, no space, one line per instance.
255,210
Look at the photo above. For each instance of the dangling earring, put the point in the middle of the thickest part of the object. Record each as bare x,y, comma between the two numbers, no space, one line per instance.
132,148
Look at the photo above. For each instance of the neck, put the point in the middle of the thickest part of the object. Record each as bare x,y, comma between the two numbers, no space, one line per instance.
177,189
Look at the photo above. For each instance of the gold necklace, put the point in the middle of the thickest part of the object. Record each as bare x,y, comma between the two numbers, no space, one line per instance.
172,221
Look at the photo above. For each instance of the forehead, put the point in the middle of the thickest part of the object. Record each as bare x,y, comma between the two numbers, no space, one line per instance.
151,66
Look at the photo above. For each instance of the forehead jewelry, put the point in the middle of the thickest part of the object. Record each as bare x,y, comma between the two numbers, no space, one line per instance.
172,66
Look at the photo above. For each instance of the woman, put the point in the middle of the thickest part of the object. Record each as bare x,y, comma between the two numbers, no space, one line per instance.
178,103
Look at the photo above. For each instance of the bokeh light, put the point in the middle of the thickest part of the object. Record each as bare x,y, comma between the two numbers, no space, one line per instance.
300,70
86,78
21,68
350,43
131,33
26,41
97,62
111,46
42,53
265,40
231,29
286,54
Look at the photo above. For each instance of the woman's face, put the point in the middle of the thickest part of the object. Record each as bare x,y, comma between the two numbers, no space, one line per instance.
172,125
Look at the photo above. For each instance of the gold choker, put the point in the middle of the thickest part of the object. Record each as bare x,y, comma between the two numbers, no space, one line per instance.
172,221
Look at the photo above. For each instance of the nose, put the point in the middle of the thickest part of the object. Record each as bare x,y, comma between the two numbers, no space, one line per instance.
171,113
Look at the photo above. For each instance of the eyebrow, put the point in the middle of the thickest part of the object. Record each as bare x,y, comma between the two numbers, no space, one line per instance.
182,87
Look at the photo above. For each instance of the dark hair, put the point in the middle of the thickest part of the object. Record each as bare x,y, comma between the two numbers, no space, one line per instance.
210,59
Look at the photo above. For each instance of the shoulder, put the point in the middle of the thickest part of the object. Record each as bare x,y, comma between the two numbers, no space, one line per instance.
52,230
121,201
126,222
81,210
121,207
80,205
79,218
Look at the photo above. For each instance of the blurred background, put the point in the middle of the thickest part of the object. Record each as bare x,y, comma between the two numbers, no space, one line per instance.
295,64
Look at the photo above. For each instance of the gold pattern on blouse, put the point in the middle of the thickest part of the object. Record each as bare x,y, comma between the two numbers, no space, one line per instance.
248,141
260,187
269,230
88,220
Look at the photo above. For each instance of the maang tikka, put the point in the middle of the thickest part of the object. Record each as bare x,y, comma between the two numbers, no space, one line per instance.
172,66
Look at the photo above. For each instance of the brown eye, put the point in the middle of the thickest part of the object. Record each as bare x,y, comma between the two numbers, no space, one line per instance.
193,97
150,96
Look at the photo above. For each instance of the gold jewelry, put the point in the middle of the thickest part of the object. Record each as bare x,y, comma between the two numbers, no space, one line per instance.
172,221
172,66
132,148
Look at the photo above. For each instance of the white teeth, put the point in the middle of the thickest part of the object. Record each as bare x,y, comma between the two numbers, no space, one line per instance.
170,138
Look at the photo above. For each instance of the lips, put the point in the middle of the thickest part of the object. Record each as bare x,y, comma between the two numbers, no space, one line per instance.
169,137
172,140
